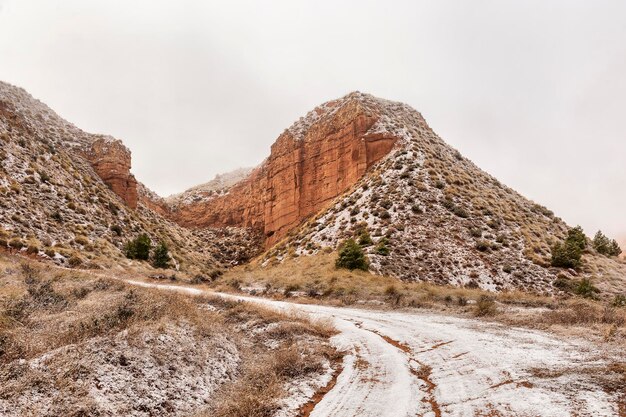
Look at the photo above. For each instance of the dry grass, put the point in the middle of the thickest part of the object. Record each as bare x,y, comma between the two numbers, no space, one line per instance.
46,310
315,279
262,382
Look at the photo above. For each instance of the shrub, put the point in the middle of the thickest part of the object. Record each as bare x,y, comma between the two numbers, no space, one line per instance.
586,289
74,261
351,256
415,208
138,248
382,248
161,257
567,254
619,301
56,215
16,243
386,203
482,245
485,306
116,229
365,239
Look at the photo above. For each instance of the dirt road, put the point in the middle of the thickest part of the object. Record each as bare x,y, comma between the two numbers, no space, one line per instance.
421,364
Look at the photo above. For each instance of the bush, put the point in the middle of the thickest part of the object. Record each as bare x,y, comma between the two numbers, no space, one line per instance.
567,254
365,239
485,306
138,248
116,229
74,261
16,243
382,248
619,300
482,245
586,289
161,257
351,256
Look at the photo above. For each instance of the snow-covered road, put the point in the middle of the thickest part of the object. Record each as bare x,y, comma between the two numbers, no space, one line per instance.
420,364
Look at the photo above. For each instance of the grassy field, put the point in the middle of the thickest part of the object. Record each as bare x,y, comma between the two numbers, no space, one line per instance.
315,279
72,344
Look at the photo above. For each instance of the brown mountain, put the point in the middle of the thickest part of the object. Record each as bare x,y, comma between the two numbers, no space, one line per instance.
361,165
69,196
357,167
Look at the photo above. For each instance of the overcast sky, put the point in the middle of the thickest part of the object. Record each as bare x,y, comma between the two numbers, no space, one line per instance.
534,92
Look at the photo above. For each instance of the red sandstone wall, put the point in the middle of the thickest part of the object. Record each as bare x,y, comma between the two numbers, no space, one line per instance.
299,178
111,161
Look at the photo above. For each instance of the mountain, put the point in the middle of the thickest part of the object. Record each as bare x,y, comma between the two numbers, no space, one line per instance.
69,196
356,167
361,165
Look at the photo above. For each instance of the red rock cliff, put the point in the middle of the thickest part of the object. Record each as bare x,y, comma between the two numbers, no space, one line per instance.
310,164
111,161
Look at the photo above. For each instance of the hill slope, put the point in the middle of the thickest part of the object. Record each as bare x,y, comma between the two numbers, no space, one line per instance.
69,195
361,165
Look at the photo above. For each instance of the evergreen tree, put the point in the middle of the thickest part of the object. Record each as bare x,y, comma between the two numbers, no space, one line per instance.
160,256
351,256
601,243
567,254
614,249
577,237
138,248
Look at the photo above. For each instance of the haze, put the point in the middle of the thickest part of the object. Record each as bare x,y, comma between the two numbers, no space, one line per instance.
532,91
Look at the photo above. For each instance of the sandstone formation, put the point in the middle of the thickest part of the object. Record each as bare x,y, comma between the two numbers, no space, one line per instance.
111,160
310,164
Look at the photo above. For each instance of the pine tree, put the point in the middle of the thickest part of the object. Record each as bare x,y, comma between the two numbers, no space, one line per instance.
567,254
614,249
138,248
351,256
601,243
577,237
160,256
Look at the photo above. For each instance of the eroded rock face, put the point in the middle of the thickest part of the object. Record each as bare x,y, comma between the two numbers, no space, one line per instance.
310,165
111,160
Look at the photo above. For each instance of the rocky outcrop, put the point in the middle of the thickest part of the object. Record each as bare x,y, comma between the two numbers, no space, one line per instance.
111,160
310,164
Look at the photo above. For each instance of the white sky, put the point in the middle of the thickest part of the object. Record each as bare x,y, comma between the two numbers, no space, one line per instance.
534,92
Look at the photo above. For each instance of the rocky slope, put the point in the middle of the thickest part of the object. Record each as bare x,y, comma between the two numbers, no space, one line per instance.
69,195
357,167
366,166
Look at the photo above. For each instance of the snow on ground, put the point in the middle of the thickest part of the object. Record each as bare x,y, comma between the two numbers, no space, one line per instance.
406,364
